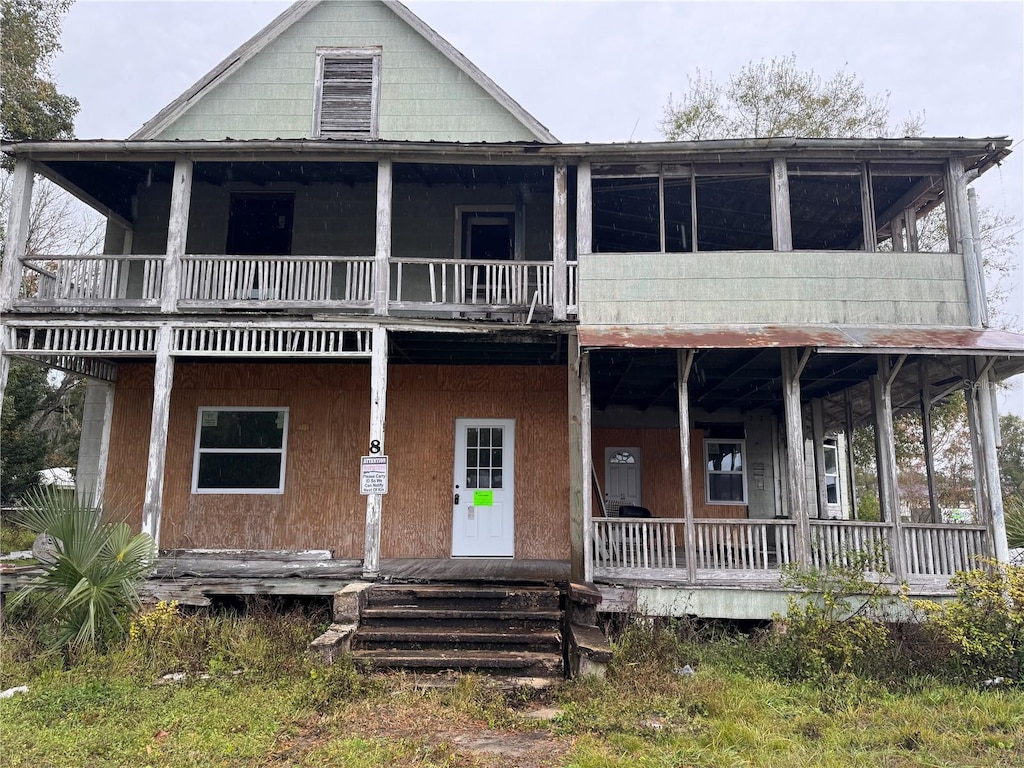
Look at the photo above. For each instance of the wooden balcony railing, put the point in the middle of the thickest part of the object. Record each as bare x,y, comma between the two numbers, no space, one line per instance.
84,283
471,284
742,549
254,282
95,281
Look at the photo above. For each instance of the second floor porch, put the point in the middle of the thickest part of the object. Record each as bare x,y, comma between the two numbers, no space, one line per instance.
859,232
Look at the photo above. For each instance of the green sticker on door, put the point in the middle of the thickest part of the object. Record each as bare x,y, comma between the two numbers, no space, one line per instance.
483,498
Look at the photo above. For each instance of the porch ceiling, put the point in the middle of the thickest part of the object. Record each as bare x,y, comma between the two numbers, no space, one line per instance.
508,348
740,369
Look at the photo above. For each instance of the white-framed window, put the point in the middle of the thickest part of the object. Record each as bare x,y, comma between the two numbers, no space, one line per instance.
831,451
485,232
347,92
725,474
240,449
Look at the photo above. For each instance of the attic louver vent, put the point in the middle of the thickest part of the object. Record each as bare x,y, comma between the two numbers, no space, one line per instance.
347,95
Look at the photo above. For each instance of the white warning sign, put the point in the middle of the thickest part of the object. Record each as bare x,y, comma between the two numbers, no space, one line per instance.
373,475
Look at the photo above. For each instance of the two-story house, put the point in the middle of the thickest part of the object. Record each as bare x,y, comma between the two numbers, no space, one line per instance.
635,364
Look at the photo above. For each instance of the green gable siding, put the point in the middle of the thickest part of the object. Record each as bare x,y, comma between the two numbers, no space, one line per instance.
423,95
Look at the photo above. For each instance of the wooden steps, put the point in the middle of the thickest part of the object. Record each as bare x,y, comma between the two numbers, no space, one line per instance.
488,629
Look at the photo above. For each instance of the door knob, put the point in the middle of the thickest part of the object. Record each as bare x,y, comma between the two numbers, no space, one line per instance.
456,498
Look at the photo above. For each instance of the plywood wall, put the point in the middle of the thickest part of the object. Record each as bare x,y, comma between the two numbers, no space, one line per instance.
661,472
423,404
328,429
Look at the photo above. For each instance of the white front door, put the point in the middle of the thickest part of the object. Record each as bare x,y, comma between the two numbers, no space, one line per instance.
622,477
483,490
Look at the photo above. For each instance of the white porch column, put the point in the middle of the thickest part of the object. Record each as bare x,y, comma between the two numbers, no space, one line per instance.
382,249
684,362
982,414
378,404
926,439
16,240
584,210
586,446
782,227
94,448
851,464
576,486
560,244
177,233
793,363
163,377
961,239
818,437
885,441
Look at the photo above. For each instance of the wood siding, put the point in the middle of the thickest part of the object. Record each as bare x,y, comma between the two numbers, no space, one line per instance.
328,428
423,95
769,287
661,485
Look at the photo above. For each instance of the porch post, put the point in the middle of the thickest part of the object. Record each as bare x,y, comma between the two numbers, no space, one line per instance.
16,241
382,249
560,245
888,487
584,210
851,465
818,436
684,362
163,378
961,240
576,485
782,226
587,469
926,438
981,504
793,363
988,415
177,233
95,444
5,367
378,402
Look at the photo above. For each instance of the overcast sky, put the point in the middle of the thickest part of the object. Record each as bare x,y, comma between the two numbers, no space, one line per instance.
602,71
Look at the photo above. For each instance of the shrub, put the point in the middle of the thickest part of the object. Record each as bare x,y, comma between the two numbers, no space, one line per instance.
93,576
984,625
1013,511
834,627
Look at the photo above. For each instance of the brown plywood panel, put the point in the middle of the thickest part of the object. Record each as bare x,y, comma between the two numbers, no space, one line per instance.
661,474
417,517
129,442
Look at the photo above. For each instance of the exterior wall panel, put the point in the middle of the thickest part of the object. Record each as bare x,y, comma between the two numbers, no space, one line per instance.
848,288
423,95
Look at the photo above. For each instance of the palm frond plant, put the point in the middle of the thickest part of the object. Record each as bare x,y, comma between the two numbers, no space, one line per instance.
94,571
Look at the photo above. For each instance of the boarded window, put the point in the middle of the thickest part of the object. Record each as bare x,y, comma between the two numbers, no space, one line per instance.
347,93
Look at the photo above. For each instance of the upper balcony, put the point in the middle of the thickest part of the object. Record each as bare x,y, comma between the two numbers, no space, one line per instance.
703,233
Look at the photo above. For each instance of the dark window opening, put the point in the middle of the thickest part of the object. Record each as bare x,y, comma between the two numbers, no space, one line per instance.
260,224
488,236
678,216
825,210
734,213
627,217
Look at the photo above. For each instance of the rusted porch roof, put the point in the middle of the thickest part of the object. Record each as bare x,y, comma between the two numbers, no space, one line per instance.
827,338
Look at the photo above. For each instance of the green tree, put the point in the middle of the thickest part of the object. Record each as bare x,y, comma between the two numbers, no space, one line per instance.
777,98
31,107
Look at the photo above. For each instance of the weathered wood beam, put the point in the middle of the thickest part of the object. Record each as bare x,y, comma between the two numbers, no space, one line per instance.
962,239
851,465
378,406
163,378
867,203
782,227
16,237
577,488
584,210
988,417
560,243
684,364
382,248
177,233
888,484
795,469
926,438
818,441
979,255
587,469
